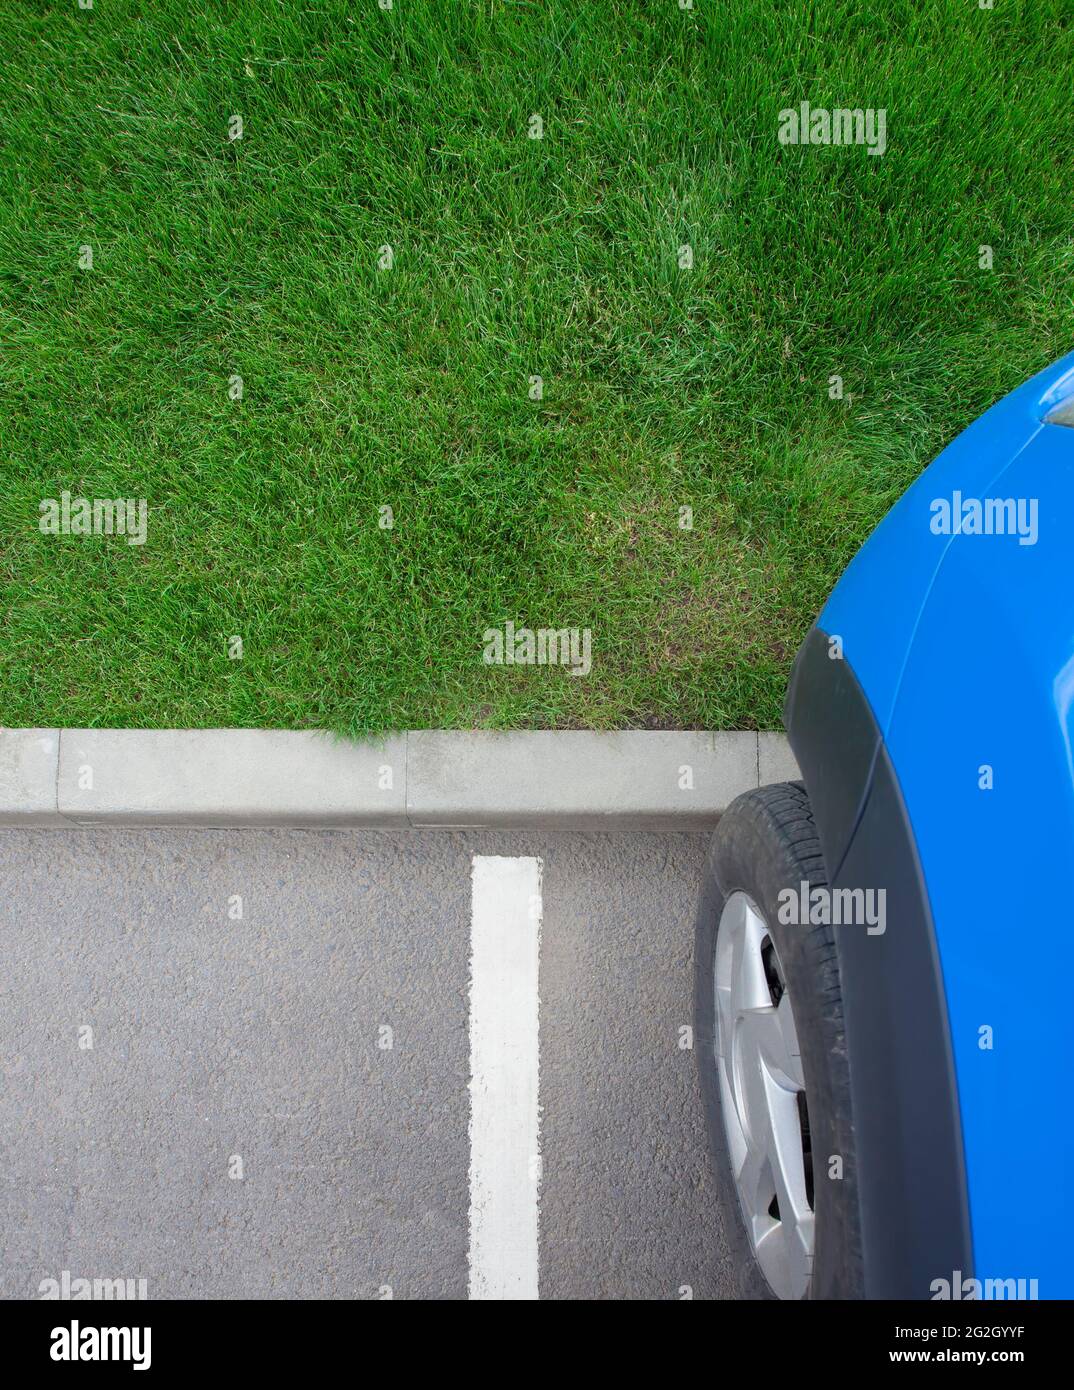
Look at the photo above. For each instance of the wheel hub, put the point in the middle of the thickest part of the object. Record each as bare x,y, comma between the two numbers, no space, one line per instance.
762,1094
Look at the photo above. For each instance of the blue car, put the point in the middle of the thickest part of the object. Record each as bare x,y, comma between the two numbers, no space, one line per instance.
884,1021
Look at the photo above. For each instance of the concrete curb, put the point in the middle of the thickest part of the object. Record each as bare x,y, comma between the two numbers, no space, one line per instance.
238,778
29,760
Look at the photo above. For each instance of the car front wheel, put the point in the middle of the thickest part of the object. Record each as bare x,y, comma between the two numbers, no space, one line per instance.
772,1057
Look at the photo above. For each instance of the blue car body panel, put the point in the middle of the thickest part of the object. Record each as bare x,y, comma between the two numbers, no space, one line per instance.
963,646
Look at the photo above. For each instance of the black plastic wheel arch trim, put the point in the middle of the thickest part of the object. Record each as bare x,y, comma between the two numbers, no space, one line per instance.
910,1167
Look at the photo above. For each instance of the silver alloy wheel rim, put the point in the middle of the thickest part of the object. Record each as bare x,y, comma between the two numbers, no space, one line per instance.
761,1083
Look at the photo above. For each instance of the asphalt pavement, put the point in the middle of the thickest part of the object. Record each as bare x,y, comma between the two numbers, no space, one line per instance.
236,1063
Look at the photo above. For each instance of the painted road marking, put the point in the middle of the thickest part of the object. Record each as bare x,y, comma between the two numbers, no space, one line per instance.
505,1172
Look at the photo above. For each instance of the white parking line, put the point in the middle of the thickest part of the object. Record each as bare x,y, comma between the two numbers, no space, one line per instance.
504,1120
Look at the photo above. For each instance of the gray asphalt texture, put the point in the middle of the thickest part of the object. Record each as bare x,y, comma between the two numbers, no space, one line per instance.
216,1039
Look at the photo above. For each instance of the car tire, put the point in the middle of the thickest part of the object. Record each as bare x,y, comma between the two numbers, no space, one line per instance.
767,842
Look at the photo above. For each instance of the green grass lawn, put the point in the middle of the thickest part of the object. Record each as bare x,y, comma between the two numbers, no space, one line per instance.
514,257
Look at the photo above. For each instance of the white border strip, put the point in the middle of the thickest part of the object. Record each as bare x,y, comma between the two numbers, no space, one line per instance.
505,1164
